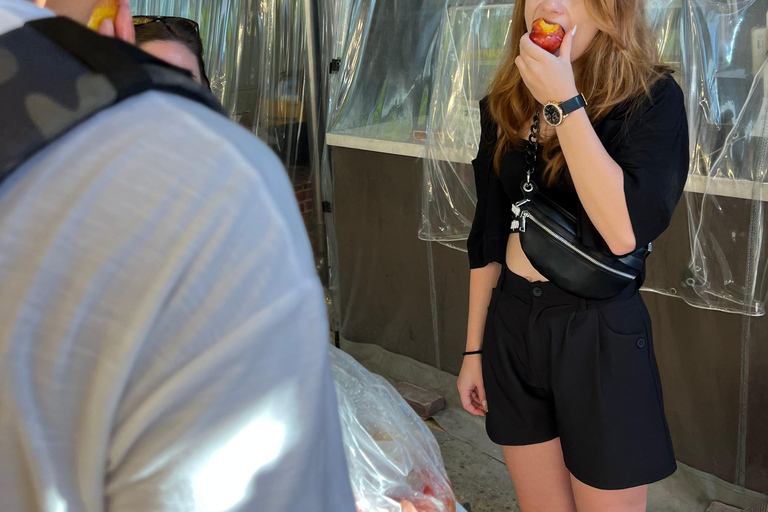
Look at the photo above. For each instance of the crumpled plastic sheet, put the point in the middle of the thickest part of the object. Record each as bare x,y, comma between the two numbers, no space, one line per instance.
472,41
719,49
394,460
255,56
383,87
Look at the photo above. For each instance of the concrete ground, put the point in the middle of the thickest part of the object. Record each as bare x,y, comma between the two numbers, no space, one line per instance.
475,465
480,482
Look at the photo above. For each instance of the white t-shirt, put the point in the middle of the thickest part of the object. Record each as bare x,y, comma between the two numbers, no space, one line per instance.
163,334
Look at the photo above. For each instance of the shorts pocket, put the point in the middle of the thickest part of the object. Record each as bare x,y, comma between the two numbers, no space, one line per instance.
623,319
629,385
624,345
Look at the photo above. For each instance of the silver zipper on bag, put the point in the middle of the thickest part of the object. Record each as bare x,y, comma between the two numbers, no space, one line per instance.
527,215
517,225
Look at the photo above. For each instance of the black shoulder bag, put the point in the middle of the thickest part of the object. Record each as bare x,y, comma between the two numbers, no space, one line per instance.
548,235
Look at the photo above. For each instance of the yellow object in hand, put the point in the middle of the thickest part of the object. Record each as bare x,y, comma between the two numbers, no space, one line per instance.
107,9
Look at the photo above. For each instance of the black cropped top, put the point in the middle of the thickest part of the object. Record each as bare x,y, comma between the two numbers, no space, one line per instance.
650,145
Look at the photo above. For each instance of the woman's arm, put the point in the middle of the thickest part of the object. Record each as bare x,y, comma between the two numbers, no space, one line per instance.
486,247
598,179
599,182
481,283
470,381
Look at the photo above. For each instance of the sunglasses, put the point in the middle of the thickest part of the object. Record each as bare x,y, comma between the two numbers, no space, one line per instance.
168,21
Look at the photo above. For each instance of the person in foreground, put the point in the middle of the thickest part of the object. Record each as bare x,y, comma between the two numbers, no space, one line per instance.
564,374
163,333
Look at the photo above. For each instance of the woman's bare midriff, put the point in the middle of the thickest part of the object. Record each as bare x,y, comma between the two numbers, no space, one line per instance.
518,262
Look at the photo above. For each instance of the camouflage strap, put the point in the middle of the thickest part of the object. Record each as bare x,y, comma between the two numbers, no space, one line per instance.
56,74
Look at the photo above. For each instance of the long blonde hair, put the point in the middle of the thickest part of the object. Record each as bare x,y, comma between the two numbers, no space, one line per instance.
620,65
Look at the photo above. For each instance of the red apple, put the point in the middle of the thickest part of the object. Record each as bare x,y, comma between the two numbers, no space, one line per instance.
547,35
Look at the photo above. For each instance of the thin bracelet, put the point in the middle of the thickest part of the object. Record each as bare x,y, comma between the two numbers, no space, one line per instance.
472,352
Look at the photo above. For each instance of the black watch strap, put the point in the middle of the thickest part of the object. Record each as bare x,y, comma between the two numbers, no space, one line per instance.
573,104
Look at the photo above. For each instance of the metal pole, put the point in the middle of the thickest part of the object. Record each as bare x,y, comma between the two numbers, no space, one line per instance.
316,126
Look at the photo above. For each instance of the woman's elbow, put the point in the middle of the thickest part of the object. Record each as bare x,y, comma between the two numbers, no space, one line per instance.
622,243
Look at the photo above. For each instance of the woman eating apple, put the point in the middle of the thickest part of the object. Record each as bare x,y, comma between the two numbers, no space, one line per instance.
582,160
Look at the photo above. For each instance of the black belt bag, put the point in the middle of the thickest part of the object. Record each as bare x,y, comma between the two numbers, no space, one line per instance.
548,235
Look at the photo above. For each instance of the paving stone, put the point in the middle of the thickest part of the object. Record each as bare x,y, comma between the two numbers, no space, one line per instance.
424,402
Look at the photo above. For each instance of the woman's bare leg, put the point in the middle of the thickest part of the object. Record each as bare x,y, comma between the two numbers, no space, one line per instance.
589,499
542,482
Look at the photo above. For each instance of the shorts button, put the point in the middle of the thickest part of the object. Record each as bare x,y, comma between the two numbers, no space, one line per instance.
537,292
641,343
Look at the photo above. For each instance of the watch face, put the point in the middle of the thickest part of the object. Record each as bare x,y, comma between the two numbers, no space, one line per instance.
552,114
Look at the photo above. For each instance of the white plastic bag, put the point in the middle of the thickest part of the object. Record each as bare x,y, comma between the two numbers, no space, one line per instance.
394,460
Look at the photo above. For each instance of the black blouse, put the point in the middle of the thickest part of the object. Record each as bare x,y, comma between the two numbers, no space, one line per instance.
650,145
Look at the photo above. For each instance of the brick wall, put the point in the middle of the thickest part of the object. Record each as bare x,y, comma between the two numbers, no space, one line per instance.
304,198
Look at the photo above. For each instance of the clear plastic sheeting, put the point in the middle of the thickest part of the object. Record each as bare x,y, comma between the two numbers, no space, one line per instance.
386,51
332,24
717,49
342,41
403,63
255,56
394,460
666,18
471,42
726,216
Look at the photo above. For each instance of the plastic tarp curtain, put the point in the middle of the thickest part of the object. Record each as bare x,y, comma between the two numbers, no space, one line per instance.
720,48
412,72
472,42
255,56
717,48
387,51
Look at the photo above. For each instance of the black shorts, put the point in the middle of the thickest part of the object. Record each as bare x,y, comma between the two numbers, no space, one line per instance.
555,366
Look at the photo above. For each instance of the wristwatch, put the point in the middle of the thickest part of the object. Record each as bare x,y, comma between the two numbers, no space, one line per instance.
555,112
